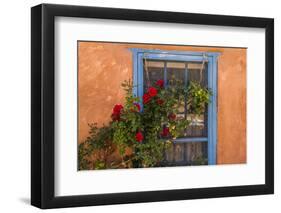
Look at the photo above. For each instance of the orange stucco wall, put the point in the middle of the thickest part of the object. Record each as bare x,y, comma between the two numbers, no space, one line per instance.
104,66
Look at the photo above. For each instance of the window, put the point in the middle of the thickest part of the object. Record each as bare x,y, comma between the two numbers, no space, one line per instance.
197,144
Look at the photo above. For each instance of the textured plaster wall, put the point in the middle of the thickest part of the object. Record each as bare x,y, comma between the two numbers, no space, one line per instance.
103,66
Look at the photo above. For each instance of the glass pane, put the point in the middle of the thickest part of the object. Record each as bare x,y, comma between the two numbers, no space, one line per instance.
197,74
153,71
196,153
175,71
198,126
184,154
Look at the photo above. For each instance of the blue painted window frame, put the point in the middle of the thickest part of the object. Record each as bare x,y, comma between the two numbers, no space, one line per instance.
186,56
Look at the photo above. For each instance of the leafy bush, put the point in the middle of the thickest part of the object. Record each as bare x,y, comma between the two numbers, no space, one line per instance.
145,131
197,97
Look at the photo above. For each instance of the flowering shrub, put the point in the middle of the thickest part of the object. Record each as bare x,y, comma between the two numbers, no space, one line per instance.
145,132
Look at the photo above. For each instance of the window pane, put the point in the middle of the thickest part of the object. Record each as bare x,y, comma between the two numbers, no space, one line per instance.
198,127
197,153
175,71
194,153
197,74
153,71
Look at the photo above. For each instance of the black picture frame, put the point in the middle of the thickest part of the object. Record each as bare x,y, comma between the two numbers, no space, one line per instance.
43,110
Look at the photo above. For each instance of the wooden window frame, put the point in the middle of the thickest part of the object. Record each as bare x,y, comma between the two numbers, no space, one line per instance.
184,56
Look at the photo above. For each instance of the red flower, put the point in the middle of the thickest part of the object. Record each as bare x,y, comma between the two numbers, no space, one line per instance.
116,112
152,91
165,132
172,116
139,137
117,108
138,106
160,101
160,83
146,98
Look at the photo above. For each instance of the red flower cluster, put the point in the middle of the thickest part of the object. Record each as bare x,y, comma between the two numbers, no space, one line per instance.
160,83
116,112
146,98
165,132
139,137
151,92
